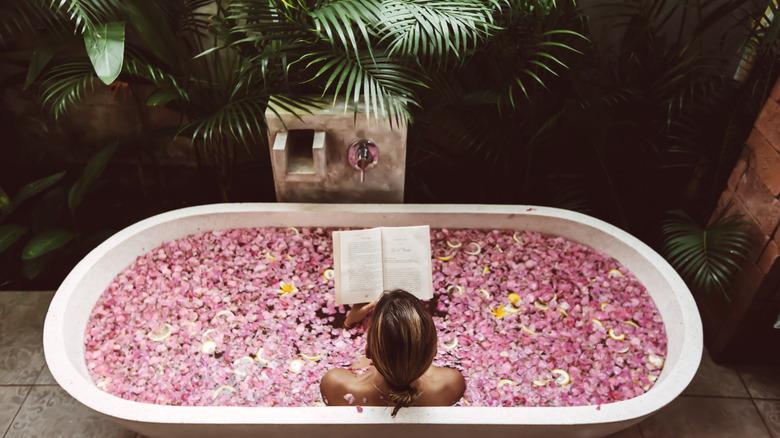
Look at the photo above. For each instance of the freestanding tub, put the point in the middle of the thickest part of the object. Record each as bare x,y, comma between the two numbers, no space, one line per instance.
70,309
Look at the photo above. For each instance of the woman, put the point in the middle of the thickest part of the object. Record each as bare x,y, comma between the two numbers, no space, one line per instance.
401,344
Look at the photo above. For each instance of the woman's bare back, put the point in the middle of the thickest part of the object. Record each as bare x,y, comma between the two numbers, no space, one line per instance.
438,387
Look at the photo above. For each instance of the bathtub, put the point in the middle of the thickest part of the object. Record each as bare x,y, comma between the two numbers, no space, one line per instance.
70,309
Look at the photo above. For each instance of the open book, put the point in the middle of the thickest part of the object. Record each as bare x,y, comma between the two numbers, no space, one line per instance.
368,262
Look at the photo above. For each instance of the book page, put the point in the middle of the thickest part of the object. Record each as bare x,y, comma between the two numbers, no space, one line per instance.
357,262
406,253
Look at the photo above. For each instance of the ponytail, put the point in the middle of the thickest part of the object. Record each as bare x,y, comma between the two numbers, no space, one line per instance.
402,397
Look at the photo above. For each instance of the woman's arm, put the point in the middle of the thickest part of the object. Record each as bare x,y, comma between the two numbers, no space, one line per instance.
358,312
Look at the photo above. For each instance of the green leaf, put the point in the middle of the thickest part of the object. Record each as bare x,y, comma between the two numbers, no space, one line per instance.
105,47
5,202
35,187
46,241
41,56
707,258
148,18
9,234
49,209
65,84
92,171
32,268
161,97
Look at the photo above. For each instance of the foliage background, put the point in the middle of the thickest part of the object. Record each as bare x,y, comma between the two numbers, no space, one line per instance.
624,110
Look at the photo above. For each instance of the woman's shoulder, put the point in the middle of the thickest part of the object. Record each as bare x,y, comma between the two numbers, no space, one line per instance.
335,384
447,385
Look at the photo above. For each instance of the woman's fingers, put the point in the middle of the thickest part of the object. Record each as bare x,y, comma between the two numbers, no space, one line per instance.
358,312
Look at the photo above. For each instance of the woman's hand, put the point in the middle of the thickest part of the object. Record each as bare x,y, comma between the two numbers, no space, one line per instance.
358,312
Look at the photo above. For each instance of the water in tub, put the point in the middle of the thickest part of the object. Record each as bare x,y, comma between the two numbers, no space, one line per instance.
247,317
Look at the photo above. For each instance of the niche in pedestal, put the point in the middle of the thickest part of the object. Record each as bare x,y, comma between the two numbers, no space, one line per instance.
299,155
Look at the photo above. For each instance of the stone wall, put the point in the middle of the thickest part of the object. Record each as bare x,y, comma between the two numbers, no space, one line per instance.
741,330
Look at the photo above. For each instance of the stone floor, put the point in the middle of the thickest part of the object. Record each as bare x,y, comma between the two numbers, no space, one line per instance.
741,401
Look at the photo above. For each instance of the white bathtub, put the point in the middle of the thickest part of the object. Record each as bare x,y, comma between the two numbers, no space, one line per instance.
67,318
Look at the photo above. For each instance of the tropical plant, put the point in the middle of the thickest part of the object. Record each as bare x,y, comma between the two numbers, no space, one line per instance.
706,257
223,64
51,231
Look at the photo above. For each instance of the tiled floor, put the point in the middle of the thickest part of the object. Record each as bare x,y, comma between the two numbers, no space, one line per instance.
721,401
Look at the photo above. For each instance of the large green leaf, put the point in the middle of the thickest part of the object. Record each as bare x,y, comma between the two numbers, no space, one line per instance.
48,211
33,267
35,187
92,171
47,241
9,234
5,202
106,49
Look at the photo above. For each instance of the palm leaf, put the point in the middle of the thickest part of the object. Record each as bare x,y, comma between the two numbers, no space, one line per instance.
383,86
22,17
262,21
65,84
433,30
137,66
242,119
87,14
706,257
337,21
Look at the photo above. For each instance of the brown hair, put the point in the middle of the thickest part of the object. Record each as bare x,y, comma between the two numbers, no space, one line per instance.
401,342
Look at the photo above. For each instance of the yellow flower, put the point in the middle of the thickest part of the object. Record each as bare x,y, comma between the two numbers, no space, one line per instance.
287,288
499,312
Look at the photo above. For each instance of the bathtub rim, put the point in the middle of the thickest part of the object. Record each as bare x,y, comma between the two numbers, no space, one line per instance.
663,392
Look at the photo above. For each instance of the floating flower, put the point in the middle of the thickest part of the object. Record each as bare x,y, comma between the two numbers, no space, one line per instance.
287,288
499,312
